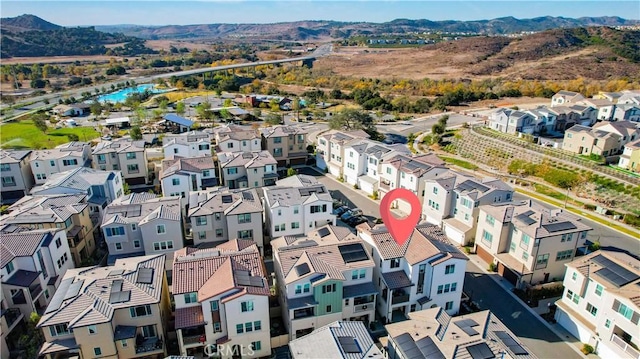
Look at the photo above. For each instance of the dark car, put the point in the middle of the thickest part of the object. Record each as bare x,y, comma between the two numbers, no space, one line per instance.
340,210
355,220
392,138
351,213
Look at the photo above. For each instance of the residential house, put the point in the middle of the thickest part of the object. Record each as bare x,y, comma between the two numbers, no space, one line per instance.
65,157
587,115
288,144
323,277
120,311
330,149
512,121
544,119
143,224
565,97
222,298
627,112
297,205
432,333
63,110
219,215
187,145
175,123
235,138
32,263
101,187
529,244
586,141
17,178
180,176
69,212
451,200
340,340
126,156
599,305
630,158
609,96
566,117
425,271
363,160
12,327
628,131
248,169
605,107
404,171
629,97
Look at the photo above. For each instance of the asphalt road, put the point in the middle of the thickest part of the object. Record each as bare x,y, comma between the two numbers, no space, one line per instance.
534,334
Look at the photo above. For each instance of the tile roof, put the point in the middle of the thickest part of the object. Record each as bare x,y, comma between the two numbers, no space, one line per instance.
70,149
186,138
22,242
320,250
78,179
342,136
84,296
215,271
396,279
297,181
118,146
49,209
246,159
203,203
236,132
282,131
418,165
21,278
13,156
277,196
58,346
324,342
189,317
190,165
426,242
141,208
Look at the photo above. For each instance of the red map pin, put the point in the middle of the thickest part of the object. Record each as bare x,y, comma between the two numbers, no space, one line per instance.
400,228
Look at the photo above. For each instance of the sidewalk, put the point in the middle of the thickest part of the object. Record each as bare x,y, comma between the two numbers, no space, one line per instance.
556,328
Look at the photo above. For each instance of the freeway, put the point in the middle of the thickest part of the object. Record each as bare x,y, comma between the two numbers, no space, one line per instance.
38,102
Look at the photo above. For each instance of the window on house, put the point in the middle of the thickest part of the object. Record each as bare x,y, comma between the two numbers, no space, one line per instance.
10,267
97,351
524,243
92,329
160,229
591,309
133,168
72,162
490,219
116,231
295,225
175,181
8,181
118,246
607,323
329,308
574,276
201,221
136,244
306,288
255,346
131,155
246,306
395,263
245,234
140,311
487,238
448,305
191,297
525,256
450,269
244,218
239,328
277,152
219,232
564,255
329,288
232,171
542,260
599,289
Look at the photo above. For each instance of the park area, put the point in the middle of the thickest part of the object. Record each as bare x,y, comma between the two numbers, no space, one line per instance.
25,135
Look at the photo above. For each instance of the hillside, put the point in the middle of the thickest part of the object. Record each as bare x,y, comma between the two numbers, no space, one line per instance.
30,36
597,53
315,30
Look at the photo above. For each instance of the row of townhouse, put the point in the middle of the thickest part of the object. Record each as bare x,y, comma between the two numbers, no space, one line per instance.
32,264
630,157
127,156
542,119
603,139
600,305
248,169
610,106
187,145
529,244
179,176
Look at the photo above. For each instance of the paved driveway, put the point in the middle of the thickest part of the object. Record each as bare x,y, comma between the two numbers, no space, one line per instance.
534,334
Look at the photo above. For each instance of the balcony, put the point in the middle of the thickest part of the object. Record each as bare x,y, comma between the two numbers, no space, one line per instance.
19,298
384,186
399,296
35,291
625,347
303,313
151,344
11,316
363,308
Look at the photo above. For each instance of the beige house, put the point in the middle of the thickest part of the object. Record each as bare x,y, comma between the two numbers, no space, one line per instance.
70,212
600,303
330,151
126,156
432,333
118,311
188,144
226,303
564,97
336,340
586,140
628,131
220,215
17,178
65,157
234,138
288,144
630,158
248,169
529,244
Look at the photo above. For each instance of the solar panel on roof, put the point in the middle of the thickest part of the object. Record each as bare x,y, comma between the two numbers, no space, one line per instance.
408,346
255,281
323,232
74,289
116,272
557,227
466,326
349,345
614,272
116,285
480,351
353,253
227,199
429,349
119,297
247,195
526,219
145,276
59,295
302,269
507,340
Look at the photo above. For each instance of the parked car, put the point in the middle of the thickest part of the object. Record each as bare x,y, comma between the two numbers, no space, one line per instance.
340,210
355,220
351,213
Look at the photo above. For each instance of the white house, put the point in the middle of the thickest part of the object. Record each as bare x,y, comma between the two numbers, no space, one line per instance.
219,215
222,297
363,159
600,303
627,112
234,138
297,205
323,277
187,145
17,178
180,176
565,97
248,169
337,340
65,157
330,149
425,271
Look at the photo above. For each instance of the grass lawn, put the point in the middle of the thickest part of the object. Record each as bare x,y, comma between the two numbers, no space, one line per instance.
459,163
24,134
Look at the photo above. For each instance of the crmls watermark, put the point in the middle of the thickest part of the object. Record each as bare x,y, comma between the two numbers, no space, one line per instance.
219,350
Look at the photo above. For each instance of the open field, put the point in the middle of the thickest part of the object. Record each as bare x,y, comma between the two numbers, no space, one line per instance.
166,45
61,59
24,134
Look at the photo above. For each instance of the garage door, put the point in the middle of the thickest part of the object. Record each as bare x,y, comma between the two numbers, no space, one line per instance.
508,274
404,206
453,234
298,161
484,254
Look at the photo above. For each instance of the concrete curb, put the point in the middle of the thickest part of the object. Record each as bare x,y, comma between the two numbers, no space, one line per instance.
500,281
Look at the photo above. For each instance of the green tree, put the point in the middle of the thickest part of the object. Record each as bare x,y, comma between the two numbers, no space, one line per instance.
73,137
96,109
257,112
225,114
125,188
204,111
31,340
227,103
351,119
40,121
291,172
135,133
274,105
180,108
273,119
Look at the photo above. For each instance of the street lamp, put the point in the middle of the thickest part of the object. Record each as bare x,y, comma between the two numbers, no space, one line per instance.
566,198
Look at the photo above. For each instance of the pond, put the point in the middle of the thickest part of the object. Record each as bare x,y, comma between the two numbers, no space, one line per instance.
121,95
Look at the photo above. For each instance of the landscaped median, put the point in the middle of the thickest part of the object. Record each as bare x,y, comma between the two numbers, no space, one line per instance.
604,221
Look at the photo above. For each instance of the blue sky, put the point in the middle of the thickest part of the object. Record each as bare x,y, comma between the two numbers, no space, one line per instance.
70,13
